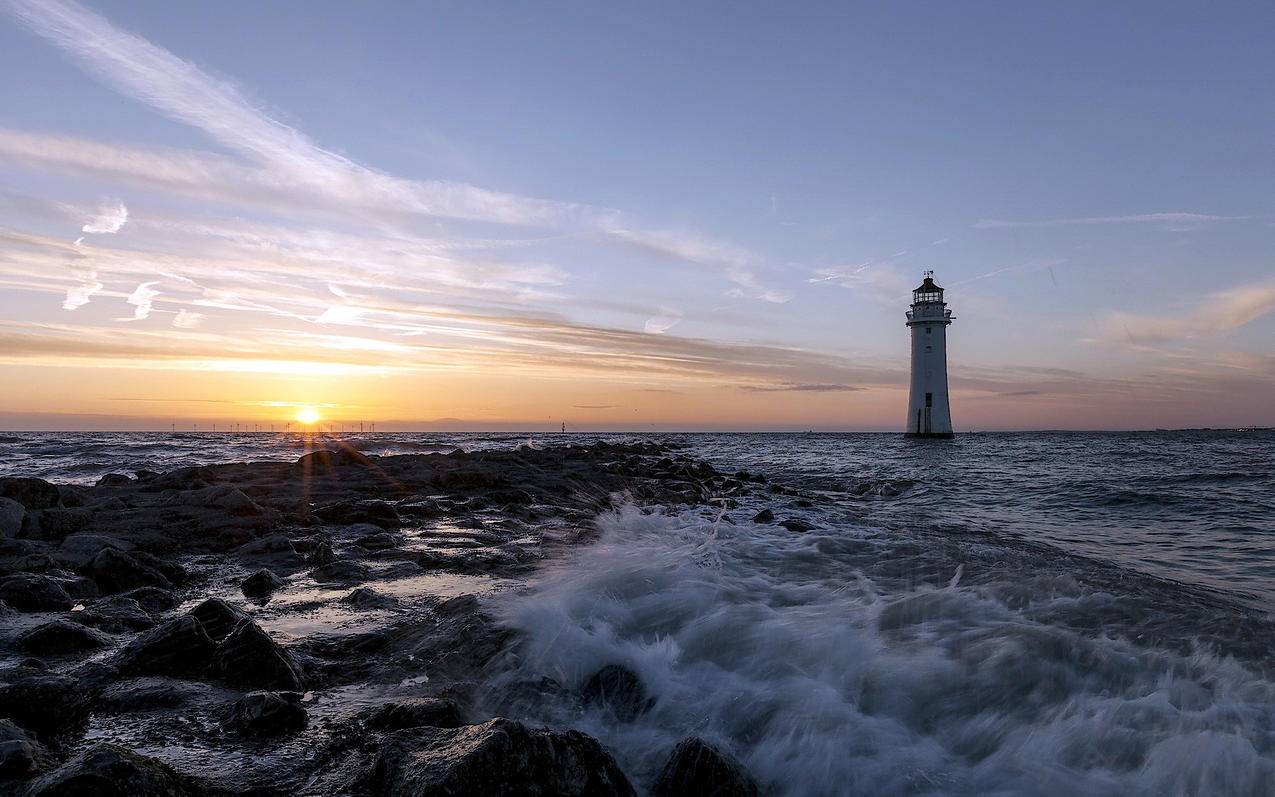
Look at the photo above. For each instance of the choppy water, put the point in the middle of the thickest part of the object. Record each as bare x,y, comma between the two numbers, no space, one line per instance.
997,614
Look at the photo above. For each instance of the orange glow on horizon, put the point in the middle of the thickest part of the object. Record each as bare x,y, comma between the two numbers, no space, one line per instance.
308,415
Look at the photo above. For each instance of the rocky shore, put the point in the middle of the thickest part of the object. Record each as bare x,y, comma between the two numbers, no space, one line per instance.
309,627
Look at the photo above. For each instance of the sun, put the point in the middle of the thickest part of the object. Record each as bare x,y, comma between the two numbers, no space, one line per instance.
308,415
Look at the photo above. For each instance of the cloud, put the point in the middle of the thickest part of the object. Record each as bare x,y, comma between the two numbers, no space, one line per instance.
593,406
1219,312
662,323
108,221
142,299
187,319
1178,221
800,388
880,280
78,295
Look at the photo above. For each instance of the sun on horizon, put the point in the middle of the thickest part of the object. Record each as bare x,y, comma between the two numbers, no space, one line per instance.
308,416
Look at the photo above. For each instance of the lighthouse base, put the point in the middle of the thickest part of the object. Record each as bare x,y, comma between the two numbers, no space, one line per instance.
930,435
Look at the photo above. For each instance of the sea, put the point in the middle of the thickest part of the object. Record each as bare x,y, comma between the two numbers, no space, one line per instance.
997,614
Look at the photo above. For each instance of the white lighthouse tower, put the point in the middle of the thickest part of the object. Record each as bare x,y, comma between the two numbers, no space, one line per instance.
928,411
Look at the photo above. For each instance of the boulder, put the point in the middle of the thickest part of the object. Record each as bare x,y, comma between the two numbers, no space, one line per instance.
416,712
116,571
380,540
270,544
368,598
152,599
764,516
261,585
54,524
107,770
341,572
114,480
797,525
116,615
20,755
145,694
249,659
46,704
497,757
224,498
31,493
80,549
697,767
321,554
32,593
61,637
268,714
180,647
218,617
617,689
325,459
11,516
377,513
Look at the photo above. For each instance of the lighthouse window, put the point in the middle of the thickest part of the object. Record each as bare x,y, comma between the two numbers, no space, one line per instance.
928,330
929,399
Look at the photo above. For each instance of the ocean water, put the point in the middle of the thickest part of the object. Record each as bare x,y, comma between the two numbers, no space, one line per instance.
1029,614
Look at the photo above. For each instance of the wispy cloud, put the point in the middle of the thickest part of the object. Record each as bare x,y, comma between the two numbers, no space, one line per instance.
143,300
188,319
79,295
1177,221
110,218
1217,313
803,387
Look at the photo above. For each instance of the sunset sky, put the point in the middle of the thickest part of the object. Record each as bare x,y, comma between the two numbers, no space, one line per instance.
634,216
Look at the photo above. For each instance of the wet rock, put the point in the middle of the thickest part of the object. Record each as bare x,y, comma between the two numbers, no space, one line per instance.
617,689
764,516
261,585
61,637
46,704
144,475
145,694
79,587
116,571
248,658
341,572
34,593
325,460
116,615
417,712
697,767
497,757
152,599
270,544
80,549
368,598
380,541
321,554
31,493
268,714
797,525
180,648
107,770
230,500
114,480
218,617
11,516
20,755
374,512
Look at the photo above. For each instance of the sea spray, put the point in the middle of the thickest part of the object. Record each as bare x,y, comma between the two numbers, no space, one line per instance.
825,677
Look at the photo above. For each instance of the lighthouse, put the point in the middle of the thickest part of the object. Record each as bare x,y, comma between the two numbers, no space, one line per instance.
928,411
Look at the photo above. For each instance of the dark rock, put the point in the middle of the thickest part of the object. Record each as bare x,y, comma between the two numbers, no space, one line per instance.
499,757
323,460
54,524
377,513
114,480
341,572
798,525
175,573
764,516
144,475
32,593
152,599
380,541
321,554
20,755
79,587
268,713
261,584
116,615
11,516
145,694
248,658
60,637
218,617
31,493
697,767
116,571
224,498
79,549
270,544
107,770
416,712
617,689
49,705
180,647
368,598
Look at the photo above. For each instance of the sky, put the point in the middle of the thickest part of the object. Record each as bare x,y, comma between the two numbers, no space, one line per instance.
639,216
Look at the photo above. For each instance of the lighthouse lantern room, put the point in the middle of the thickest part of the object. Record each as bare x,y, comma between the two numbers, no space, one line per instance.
928,412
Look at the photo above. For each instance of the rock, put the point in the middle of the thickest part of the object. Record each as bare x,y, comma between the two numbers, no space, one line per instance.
268,713
368,598
261,584
617,689
31,493
61,637
49,705
79,587
116,615
20,755
144,475
54,524
11,516
248,658
497,757
764,516
376,513
416,712
797,525
380,541
114,480
325,460
180,648
218,617
229,500
152,599
321,554
116,571
697,767
80,549
107,770
340,572
145,694
32,593
270,544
